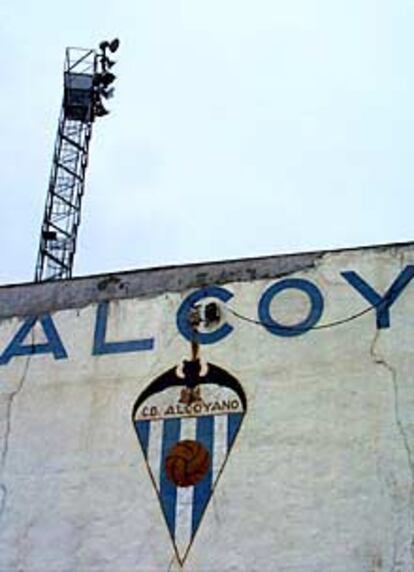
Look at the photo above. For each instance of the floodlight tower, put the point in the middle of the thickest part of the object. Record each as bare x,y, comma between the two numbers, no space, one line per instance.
86,81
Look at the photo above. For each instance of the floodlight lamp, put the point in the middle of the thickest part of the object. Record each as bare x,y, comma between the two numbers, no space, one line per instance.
100,110
108,93
212,313
107,78
114,45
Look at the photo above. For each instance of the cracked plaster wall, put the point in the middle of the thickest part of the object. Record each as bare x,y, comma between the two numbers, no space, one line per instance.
322,474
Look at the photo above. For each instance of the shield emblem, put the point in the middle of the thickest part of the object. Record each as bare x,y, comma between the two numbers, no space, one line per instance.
186,425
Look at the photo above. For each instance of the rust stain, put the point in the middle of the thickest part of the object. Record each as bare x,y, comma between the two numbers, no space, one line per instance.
194,320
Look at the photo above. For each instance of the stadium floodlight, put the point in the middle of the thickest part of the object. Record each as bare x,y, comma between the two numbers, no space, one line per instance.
104,78
86,86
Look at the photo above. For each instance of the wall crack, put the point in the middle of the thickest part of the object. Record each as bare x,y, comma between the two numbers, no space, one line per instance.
6,440
380,360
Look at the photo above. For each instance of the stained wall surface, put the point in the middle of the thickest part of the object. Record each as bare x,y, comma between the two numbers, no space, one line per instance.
289,449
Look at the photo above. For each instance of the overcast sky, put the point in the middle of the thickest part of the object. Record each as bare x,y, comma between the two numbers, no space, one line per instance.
239,128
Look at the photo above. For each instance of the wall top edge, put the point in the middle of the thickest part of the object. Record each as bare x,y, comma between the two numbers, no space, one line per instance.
36,298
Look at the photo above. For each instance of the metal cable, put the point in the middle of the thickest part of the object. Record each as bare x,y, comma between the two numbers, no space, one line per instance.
321,327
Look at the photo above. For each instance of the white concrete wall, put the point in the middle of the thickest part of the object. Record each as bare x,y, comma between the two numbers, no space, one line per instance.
321,477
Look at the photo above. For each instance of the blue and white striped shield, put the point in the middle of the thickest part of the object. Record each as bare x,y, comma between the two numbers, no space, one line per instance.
186,432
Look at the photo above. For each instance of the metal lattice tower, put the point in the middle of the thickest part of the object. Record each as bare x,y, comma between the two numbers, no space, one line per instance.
86,79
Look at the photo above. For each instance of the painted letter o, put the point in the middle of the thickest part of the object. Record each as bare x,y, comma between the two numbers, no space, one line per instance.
300,328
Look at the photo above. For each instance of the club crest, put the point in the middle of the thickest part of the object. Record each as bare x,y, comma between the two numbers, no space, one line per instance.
186,423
